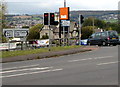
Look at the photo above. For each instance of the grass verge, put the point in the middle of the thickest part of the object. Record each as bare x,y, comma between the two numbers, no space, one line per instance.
7,54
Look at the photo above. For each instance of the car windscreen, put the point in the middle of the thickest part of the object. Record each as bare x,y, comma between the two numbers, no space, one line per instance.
113,33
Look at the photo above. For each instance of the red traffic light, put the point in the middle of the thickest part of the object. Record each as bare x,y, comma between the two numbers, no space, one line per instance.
46,15
52,15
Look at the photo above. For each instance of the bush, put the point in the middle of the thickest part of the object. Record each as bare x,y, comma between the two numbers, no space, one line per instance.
86,32
45,37
34,32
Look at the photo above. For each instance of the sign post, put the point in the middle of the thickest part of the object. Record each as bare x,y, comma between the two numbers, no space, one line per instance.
65,23
15,33
64,18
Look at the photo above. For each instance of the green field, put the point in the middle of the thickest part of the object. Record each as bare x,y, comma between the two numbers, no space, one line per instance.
112,20
6,54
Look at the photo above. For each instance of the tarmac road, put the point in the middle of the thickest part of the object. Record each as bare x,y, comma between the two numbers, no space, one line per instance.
97,67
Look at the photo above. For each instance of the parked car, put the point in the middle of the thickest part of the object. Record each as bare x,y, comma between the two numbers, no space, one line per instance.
83,42
104,38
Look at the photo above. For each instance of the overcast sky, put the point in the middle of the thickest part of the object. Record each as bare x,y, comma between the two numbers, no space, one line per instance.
41,6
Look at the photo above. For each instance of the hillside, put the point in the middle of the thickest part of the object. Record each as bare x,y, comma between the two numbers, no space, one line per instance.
109,16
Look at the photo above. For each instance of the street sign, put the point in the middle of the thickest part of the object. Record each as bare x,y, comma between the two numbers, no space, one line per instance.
17,33
65,23
8,33
64,13
20,33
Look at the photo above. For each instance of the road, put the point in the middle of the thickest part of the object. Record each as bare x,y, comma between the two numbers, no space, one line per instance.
97,67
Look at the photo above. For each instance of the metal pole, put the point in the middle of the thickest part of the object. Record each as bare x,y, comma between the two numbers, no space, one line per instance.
68,35
79,29
8,45
64,3
63,36
64,27
93,24
49,30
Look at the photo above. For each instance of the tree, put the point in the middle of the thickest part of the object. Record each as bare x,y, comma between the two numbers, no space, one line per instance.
2,21
100,23
97,22
45,37
34,32
88,22
86,32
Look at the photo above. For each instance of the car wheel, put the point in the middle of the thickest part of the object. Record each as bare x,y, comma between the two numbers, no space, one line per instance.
103,43
114,44
88,43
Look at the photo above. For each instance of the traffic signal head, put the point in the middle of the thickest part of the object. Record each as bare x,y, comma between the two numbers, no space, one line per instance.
49,19
82,19
46,18
52,18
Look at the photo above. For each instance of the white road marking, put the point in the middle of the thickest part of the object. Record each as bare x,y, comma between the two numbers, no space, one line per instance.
79,60
103,57
29,69
107,63
20,67
90,59
52,70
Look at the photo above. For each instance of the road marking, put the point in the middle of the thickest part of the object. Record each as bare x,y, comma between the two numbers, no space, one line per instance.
20,67
52,70
90,59
103,57
29,69
79,60
107,63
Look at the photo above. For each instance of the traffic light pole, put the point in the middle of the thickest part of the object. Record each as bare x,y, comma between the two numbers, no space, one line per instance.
49,31
80,27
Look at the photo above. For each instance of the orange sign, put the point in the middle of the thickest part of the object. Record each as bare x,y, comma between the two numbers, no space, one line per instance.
64,13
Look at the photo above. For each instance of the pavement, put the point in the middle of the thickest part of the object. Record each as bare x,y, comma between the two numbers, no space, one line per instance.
49,54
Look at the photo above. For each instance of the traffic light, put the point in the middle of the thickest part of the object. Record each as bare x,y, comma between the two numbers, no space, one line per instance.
81,19
52,19
46,18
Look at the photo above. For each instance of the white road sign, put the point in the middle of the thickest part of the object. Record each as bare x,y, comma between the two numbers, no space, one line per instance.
20,33
65,23
8,33
15,32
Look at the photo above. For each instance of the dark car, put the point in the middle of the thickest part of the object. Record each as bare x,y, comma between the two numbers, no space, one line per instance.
104,38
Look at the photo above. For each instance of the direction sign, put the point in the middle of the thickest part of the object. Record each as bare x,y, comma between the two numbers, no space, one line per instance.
8,33
20,33
65,23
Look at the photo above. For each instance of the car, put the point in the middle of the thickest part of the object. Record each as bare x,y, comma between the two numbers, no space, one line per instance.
83,42
104,38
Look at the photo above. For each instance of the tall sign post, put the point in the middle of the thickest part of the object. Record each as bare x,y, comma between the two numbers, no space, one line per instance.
64,19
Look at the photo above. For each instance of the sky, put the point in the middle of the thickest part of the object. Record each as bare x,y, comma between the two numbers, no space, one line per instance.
42,6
